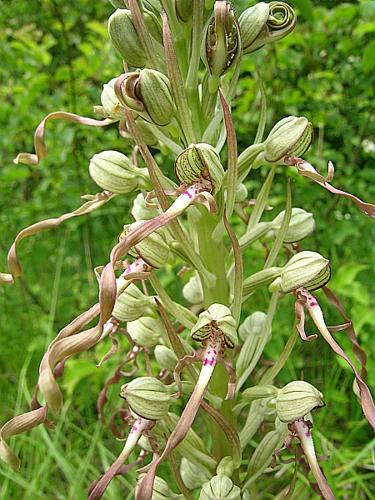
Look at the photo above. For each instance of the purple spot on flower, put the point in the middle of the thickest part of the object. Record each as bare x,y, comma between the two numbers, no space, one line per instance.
208,361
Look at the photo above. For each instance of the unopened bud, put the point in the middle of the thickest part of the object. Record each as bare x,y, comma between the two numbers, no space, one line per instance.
147,397
131,304
193,476
264,23
113,171
305,269
147,92
154,250
253,325
125,38
200,162
217,318
165,357
223,42
241,193
193,291
140,210
291,136
111,105
220,487
296,400
301,225
259,392
226,466
184,9
146,331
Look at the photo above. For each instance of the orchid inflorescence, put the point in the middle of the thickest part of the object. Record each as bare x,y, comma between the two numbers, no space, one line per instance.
182,62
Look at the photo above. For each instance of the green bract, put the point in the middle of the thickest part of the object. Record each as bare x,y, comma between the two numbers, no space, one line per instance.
217,318
147,397
199,162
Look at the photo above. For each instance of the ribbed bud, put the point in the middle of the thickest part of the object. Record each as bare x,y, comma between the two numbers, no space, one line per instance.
259,392
131,304
253,325
193,291
154,250
220,487
301,225
223,41
147,397
111,105
241,193
146,331
125,38
216,318
114,172
291,136
193,476
226,466
264,23
296,400
140,210
165,357
305,269
199,162
184,9
147,92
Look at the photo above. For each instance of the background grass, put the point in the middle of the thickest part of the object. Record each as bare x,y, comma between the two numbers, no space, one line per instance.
57,56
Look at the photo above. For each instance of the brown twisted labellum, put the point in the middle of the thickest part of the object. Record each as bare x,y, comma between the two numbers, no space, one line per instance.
303,430
39,144
307,170
95,202
195,193
210,356
138,428
306,300
17,425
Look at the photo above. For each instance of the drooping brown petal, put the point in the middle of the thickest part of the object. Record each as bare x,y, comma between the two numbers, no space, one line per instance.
17,425
13,263
359,353
39,144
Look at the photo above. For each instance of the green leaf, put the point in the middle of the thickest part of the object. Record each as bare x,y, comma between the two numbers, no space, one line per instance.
368,58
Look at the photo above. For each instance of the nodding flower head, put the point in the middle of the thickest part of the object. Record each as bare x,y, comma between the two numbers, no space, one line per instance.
200,162
264,23
153,249
296,400
220,487
148,93
147,397
217,319
223,41
306,269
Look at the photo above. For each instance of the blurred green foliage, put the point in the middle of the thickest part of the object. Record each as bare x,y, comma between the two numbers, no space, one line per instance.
56,56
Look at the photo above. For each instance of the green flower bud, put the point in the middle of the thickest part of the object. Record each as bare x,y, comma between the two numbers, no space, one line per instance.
193,476
264,23
216,318
184,9
131,304
296,400
125,38
147,397
259,392
220,487
114,172
200,162
305,269
193,291
165,357
147,135
241,193
223,42
147,92
301,224
146,331
111,105
140,210
154,250
252,326
291,136
226,466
